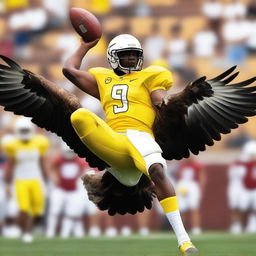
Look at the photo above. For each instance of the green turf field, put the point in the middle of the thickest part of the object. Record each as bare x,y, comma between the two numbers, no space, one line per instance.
210,244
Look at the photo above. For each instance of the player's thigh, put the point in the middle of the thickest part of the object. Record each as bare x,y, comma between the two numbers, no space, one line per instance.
56,201
37,197
12,208
194,196
147,147
234,193
2,202
22,192
74,206
245,200
254,200
183,203
89,207
112,147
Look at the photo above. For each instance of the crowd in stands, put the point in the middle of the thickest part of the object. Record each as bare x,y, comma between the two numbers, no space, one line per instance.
205,41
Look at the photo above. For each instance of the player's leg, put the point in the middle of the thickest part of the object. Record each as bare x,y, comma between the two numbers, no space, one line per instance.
12,228
77,213
72,215
67,222
37,198
234,191
182,195
24,218
251,223
94,215
2,206
166,196
194,203
155,167
112,147
110,225
245,202
56,202
143,222
94,220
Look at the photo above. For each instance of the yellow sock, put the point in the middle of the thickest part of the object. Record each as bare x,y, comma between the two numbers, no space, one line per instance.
169,204
171,209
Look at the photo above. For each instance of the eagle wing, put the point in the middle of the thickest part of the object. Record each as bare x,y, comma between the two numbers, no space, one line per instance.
49,106
203,111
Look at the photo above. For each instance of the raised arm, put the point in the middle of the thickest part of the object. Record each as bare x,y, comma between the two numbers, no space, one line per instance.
82,79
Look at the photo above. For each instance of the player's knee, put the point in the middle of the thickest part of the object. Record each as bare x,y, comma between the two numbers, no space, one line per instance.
82,121
156,172
78,115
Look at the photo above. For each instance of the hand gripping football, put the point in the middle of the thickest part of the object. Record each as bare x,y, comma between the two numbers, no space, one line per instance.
85,24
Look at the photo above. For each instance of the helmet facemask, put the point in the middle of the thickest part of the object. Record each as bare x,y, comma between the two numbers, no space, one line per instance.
118,47
24,134
120,58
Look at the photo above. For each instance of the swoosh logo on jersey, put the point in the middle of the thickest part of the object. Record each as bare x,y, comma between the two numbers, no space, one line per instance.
133,79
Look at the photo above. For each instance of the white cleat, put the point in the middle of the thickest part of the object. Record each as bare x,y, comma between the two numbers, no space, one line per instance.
144,231
27,238
94,232
196,231
111,232
11,232
236,228
126,231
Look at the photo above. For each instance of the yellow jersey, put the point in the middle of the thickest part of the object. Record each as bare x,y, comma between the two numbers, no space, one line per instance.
126,99
26,156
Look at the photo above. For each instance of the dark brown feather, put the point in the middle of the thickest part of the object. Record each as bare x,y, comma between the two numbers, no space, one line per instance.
203,111
50,106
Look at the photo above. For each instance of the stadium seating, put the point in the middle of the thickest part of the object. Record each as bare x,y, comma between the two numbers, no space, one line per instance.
160,2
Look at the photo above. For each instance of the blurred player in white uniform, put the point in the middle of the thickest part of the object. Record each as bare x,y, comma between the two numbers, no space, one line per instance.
190,185
236,172
68,196
26,169
248,197
2,192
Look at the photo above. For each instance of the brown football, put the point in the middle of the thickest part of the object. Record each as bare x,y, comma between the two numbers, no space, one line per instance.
85,24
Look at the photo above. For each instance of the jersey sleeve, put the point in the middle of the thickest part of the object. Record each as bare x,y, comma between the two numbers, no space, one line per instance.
159,79
43,144
94,71
8,149
98,72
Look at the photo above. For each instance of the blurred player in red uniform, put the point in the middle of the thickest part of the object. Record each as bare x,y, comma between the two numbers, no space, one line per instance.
190,185
236,172
248,197
66,197
2,192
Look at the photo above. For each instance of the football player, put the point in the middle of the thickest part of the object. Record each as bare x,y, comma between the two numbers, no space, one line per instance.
2,191
129,95
248,195
138,113
191,181
66,197
26,168
235,189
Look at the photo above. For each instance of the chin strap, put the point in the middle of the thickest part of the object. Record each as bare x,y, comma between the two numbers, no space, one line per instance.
119,72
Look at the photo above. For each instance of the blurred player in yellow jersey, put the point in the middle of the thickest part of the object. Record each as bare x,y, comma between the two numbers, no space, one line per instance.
26,170
129,95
